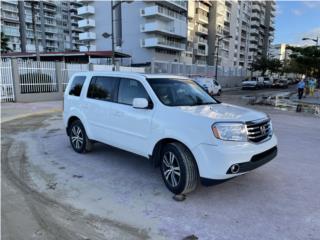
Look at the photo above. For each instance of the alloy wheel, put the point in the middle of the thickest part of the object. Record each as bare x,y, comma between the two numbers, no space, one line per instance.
77,137
171,169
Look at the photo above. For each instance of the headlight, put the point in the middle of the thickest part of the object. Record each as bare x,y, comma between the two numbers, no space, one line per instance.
230,131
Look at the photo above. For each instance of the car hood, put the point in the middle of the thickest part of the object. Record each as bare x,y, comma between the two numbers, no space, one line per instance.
249,82
224,112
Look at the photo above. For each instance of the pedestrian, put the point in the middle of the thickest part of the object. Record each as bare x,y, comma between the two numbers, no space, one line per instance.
301,86
312,86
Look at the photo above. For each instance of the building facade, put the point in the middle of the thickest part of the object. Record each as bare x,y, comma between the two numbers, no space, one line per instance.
56,25
190,31
279,51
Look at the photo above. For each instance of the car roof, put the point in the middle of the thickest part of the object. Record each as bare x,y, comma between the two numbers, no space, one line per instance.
132,74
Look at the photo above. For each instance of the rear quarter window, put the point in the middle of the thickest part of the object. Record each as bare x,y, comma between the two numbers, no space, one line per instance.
76,86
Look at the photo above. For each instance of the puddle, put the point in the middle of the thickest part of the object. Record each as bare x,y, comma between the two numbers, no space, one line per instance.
283,102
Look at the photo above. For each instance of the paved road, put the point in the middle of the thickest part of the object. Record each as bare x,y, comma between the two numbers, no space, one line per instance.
50,192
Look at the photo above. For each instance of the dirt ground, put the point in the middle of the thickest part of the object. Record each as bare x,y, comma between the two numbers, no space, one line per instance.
50,192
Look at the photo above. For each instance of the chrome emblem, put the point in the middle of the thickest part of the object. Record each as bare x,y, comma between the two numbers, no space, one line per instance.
263,130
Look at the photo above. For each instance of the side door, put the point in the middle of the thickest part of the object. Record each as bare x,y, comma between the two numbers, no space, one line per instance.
97,105
131,127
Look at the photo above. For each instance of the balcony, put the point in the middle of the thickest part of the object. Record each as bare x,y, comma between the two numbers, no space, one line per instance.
12,17
50,23
175,28
11,31
9,8
176,4
202,6
85,48
162,43
202,41
86,10
86,23
202,18
255,16
87,36
164,13
201,52
202,30
254,32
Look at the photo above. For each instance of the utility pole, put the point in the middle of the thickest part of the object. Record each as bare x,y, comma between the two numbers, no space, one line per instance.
34,29
112,35
217,54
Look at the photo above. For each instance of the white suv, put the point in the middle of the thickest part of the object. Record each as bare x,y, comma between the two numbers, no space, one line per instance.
172,121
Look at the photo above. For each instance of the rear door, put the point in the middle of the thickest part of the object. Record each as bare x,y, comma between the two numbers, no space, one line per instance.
131,127
97,105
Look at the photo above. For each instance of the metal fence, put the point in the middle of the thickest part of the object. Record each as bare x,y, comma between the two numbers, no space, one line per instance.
6,83
68,69
193,69
37,77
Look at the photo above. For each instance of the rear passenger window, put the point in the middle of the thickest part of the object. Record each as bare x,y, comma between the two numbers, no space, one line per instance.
102,88
76,86
130,89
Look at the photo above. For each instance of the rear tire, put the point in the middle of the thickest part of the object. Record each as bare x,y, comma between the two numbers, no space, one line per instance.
78,138
219,93
178,168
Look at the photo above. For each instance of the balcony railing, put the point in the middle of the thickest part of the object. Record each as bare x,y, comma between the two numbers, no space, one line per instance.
86,10
158,10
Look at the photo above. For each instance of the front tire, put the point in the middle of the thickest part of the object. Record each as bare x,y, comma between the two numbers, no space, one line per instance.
178,168
78,138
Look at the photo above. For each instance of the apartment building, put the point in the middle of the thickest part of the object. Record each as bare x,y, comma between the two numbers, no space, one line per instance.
10,24
145,30
56,24
262,28
279,51
197,38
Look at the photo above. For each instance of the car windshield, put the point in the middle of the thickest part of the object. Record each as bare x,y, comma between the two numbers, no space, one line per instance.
180,92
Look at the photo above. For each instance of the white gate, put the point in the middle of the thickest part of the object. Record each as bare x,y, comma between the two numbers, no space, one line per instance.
71,68
6,82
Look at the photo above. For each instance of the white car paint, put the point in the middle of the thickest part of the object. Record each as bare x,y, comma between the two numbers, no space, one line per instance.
138,130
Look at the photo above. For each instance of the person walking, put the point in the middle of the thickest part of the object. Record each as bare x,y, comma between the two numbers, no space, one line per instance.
301,86
312,86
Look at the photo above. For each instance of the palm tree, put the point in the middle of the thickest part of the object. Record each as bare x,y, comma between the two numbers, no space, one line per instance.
4,43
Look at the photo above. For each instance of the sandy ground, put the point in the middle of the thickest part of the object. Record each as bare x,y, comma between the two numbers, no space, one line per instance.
51,192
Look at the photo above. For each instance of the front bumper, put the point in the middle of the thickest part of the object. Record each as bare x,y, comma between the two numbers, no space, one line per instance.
215,161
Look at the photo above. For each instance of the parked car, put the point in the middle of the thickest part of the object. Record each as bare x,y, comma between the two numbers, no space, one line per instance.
267,81
210,85
280,83
170,120
252,83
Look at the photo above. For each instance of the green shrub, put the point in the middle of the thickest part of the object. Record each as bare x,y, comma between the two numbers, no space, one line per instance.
37,82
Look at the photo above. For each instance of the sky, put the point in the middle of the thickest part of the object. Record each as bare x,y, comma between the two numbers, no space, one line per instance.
295,20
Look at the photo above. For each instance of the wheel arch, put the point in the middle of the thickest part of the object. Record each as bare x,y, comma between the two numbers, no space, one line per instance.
155,157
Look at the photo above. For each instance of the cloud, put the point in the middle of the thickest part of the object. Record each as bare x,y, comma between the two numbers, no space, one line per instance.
312,4
313,33
297,12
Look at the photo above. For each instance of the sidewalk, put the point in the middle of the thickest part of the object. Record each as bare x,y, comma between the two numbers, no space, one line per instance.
10,111
308,99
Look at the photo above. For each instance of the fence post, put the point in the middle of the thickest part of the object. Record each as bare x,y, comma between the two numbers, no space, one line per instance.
15,79
90,66
58,66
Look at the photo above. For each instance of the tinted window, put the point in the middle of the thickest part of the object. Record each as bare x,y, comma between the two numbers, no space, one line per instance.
130,89
180,92
102,88
76,85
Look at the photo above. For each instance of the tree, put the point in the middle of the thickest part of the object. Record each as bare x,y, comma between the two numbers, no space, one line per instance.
305,60
4,43
263,64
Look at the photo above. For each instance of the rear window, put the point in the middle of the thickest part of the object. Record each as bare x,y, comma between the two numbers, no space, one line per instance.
102,88
76,86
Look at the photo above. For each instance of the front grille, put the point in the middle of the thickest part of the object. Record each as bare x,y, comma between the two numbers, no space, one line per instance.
259,130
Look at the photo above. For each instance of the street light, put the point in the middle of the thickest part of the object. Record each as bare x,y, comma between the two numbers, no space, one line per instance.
316,40
113,6
217,54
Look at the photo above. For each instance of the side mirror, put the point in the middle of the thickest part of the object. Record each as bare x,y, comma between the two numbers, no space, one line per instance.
141,103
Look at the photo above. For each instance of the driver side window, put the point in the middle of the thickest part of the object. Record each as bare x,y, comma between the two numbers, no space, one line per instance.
130,89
